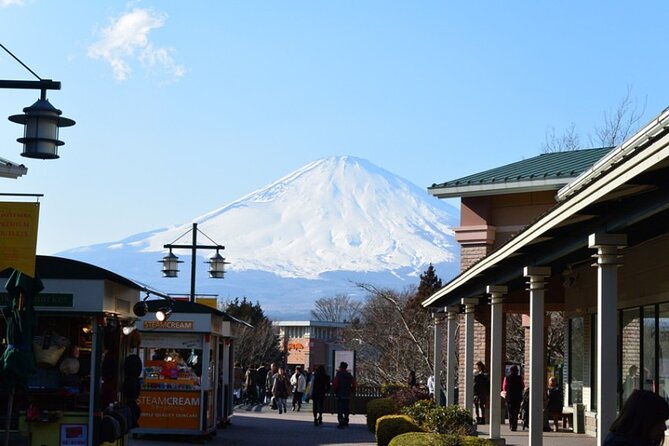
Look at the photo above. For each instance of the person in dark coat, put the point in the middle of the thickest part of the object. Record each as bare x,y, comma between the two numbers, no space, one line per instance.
641,422
513,385
344,386
481,392
320,386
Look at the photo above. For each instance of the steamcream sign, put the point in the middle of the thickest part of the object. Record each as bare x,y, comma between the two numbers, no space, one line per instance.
169,325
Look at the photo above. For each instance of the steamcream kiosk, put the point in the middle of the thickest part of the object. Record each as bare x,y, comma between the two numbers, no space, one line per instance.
187,369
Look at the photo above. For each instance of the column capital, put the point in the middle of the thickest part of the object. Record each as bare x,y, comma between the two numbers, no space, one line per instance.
539,271
497,289
497,293
438,317
598,240
470,304
607,246
453,311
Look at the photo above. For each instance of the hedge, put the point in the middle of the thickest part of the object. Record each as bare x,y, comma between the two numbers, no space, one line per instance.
431,439
378,408
390,426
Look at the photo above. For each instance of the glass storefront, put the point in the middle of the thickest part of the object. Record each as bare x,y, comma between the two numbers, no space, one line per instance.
643,353
576,356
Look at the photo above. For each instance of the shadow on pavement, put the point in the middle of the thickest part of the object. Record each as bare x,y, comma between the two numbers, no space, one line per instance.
259,426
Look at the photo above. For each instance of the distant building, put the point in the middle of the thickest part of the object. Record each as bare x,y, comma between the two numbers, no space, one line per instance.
309,343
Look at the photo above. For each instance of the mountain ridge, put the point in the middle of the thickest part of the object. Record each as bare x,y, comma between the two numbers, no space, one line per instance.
321,228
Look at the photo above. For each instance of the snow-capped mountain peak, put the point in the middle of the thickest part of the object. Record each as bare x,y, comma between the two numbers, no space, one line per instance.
312,233
334,214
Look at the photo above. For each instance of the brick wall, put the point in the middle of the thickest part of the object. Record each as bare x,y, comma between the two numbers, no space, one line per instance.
471,253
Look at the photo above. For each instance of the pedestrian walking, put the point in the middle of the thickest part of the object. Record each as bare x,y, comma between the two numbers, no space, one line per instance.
299,384
281,389
320,386
261,377
250,395
344,385
512,390
269,382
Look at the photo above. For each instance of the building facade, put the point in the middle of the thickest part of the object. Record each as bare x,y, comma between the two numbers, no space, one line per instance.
309,343
598,254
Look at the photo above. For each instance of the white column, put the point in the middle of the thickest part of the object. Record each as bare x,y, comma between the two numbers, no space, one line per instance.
438,356
451,354
470,308
537,275
497,293
607,246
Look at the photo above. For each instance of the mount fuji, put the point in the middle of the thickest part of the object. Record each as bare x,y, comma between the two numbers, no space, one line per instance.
314,233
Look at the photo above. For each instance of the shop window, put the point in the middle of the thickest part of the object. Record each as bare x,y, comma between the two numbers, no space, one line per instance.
663,350
576,360
649,339
630,348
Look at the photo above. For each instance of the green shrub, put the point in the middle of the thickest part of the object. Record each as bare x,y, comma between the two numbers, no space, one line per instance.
390,426
432,439
419,411
378,408
476,441
441,419
388,389
425,439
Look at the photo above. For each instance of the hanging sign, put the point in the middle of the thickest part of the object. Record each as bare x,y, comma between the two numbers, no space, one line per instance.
18,236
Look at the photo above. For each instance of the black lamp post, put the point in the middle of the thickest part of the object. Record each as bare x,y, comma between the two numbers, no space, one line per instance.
41,121
216,262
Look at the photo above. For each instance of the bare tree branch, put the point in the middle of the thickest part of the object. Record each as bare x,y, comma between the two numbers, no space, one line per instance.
398,308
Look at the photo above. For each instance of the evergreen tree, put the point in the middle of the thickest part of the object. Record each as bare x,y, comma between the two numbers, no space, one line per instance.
429,284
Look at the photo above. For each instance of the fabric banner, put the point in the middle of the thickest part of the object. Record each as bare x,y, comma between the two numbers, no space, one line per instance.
18,236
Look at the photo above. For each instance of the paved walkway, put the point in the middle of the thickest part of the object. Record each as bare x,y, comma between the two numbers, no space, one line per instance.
260,426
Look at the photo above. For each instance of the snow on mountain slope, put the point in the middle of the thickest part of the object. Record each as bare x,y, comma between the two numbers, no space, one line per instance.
334,215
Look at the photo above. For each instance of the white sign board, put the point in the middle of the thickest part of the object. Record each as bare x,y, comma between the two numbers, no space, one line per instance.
347,356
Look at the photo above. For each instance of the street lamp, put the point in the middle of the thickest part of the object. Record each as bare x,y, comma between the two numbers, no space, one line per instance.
41,120
216,262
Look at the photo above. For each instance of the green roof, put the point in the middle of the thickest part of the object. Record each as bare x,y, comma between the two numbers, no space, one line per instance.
545,171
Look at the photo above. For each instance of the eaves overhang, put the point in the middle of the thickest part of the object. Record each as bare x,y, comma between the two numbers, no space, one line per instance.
502,188
9,169
647,148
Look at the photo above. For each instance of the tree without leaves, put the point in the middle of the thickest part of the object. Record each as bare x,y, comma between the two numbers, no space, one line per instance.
617,127
568,141
620,124
515,338
340,308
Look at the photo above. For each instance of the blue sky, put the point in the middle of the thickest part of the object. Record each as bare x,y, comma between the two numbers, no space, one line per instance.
182,107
